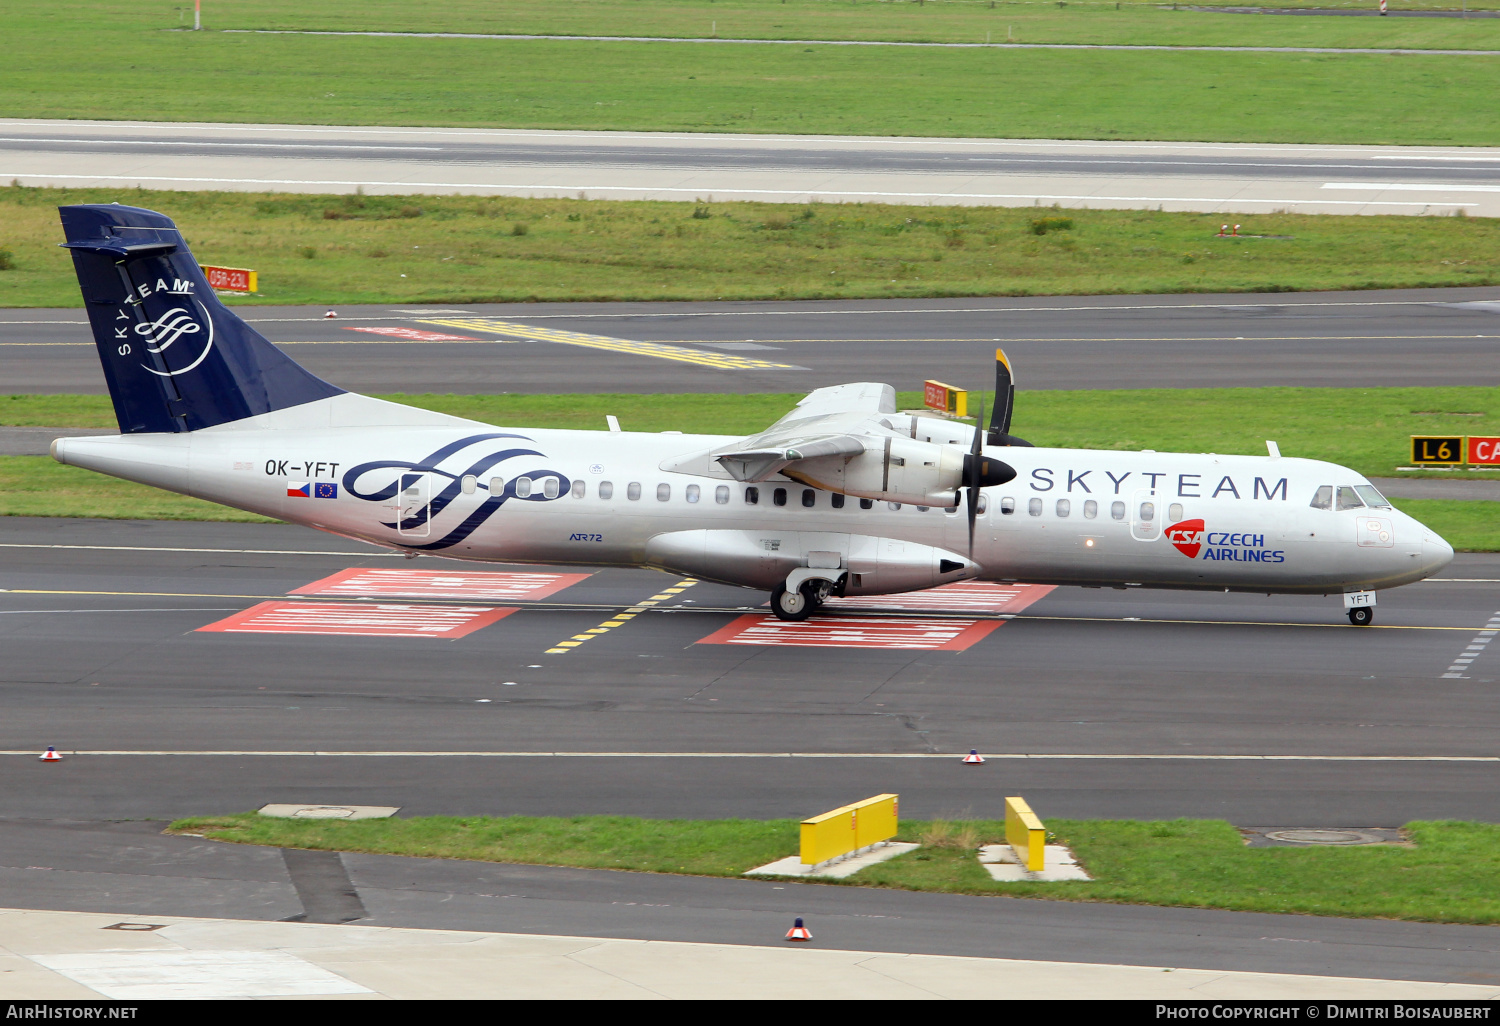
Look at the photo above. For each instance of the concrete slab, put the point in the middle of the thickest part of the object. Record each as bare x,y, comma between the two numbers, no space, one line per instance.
1058,864
197,957
330,811
792,864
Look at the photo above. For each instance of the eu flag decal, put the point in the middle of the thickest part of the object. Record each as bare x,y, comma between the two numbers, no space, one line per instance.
325,490
299,491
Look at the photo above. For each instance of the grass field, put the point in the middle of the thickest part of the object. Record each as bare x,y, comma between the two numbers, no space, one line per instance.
65,61
1309,422
447,249
1450,873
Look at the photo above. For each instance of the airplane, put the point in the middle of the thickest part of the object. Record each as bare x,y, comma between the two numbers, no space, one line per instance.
842,496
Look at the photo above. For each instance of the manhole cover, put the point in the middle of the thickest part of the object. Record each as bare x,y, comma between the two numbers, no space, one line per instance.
336,812
1322,837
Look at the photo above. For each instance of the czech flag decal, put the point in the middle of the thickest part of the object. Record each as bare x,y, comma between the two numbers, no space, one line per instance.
300,491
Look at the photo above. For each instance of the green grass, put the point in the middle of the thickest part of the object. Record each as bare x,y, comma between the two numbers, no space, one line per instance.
322,249
1310,422
109,58
1451,873
35,486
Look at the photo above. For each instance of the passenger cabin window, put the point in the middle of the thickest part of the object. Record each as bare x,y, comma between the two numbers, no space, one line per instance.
523,487
809,497
1034,507
606,489
663,492
923,509
551,487
721,495
984,504
1348,498
580,489
1148,511
1174,511
779,496
752,495
468,484
950,509
1372,497
894,506
633,491
836,500
1090,509
1007,506
866,503
693,493
1323,498
497,485
1064,507
1117,510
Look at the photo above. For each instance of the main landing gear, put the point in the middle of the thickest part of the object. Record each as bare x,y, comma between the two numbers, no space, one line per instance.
1361,616
799,604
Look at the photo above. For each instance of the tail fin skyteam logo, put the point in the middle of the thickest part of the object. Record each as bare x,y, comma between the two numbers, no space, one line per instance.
170,326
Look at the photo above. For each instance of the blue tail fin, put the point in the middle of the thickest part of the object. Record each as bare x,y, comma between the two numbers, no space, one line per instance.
175,358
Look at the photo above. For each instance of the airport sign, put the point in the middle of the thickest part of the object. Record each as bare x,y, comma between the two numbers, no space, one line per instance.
231,279
1431,450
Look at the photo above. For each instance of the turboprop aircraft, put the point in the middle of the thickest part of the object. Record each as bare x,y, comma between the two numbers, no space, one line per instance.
842,496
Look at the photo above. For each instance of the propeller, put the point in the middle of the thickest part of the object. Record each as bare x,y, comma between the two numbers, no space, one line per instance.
971,473
981,471
1005,401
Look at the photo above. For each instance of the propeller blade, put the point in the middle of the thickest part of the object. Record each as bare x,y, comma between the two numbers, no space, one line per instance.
973,472
1005,399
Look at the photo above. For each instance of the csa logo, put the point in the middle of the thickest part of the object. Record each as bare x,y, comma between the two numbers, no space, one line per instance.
1187,537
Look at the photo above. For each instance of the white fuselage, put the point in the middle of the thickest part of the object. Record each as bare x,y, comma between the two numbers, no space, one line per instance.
430,483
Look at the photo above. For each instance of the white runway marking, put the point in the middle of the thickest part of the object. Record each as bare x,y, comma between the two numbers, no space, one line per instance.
489,585
554,189
1475,649
348,618
954,756
238,552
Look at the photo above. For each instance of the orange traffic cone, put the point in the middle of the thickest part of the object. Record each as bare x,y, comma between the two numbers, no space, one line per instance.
798,932
974,758
50,755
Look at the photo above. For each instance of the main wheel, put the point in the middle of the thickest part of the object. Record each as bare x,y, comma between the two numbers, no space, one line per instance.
1361,616
791,605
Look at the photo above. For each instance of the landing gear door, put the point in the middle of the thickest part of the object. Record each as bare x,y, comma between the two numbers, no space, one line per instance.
414,496
1146,513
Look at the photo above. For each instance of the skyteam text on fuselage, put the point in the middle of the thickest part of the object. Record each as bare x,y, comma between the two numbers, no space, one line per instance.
842,496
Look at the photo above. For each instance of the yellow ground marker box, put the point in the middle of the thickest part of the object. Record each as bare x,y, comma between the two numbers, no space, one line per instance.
849,828
1025,833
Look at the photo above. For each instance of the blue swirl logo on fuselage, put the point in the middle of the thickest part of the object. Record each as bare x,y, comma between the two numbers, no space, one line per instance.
407,473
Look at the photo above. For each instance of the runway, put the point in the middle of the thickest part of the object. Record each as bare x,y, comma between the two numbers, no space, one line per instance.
1212,177
1334,339
1266,712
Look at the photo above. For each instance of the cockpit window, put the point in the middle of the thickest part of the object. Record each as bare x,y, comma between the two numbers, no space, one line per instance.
1371,496
1349,498
1324,498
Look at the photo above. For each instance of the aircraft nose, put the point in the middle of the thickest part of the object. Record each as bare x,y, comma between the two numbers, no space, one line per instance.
1436,553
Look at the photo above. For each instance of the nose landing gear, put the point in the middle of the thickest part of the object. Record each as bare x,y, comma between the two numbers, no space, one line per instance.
1361,616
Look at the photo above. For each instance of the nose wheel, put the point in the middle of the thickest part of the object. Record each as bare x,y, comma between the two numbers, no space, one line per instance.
1361,616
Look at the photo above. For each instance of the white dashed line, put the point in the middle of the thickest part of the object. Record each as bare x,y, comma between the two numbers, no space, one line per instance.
1475,649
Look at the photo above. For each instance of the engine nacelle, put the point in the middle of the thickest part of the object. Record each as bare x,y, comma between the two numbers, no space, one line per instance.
901,470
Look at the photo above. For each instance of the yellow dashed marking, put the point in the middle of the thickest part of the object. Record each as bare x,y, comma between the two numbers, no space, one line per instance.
618,620
660,350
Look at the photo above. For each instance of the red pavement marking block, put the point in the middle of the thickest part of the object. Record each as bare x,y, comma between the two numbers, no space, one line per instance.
949,634
496,587
367,619
959,597
417,335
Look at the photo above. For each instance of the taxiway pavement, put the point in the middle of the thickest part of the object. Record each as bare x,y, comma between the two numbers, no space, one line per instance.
1335,339
1214,177
1090,703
